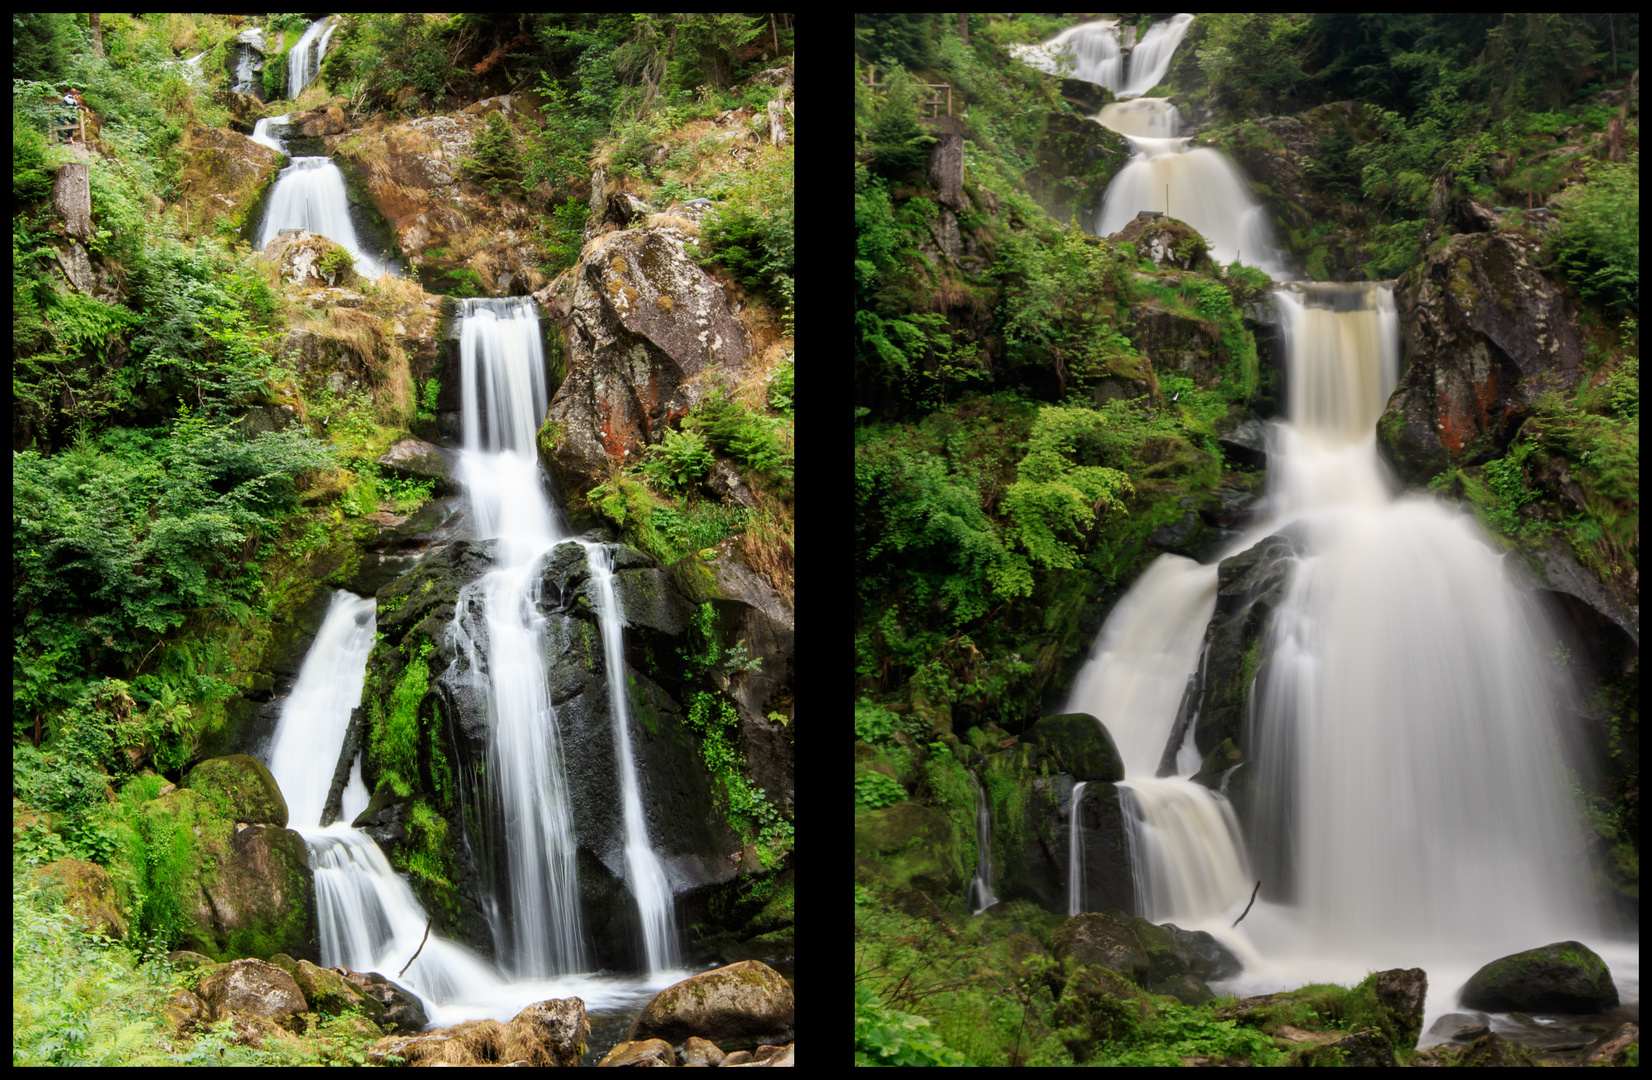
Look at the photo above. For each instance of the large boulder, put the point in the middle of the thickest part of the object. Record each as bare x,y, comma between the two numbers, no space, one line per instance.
86,891
300,256
1103,941
1169,242
398,1010
222,176
1487,333
255,988
241,788
1081,744
742,1004
908,843
262,895
1179,343
328,991
1565,977
645,327
416,459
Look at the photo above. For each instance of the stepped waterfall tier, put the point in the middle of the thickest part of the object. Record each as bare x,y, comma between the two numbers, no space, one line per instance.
304,58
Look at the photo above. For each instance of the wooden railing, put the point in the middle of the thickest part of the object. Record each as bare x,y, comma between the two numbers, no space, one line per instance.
936,99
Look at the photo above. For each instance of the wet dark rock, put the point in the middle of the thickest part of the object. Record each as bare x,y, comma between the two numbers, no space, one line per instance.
1103,941
1459,1027
1401,993
403,1012
1174,536
1179,343
416,459
1208,958
1565,977
1246,444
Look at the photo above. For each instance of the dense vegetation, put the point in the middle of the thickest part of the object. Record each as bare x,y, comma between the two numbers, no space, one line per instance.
161,527
1018,461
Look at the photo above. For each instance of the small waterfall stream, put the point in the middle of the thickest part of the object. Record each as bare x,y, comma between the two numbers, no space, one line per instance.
1075,852
304,58
980,886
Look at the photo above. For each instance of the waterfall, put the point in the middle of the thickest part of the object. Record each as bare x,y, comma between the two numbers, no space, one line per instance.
1150,60
644,874
309,194
261,133
1409,703
980,886
367,916
1075,853
498,628
1198,185
304,59
1154,118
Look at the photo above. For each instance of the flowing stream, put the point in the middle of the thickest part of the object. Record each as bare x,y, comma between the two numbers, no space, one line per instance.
304,58
980,886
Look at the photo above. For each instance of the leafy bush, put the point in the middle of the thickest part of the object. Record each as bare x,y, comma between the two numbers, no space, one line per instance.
494,161
751,233
679,460
885,1036
874,790
744,434
1596,243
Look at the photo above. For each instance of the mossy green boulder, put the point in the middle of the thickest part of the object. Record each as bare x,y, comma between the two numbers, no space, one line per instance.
1081,744
1565,977
908,844
239,788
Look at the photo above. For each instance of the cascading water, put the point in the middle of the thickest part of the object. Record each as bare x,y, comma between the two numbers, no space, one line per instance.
1150,59
262,132
980,886
309,194
1404,728
503,398
1089,51
1410,702
304,58
1198,185
1154,118
1075,852
644,874
367,916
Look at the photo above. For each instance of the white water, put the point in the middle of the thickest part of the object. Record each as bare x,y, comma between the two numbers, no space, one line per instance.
1150,59
367,916
304,58
1153,118
1075,853
309,194
246,41
1197,185
980,886
1405,732
503,399
644,874
1090,52
261,132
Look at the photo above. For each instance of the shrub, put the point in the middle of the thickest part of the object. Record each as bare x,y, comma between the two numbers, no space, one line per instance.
1596,243
679,460
494,162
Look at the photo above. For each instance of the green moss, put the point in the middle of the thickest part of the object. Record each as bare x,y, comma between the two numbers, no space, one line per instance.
394,726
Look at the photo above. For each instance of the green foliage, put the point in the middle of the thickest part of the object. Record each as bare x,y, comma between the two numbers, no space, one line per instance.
337,265
428,398
748,436
118,540
885,1036
494,161
751,232
1053,498
31,178
1059,305
1252,62
1596,243
393,738
874,790
899,143
780,387
679,460
698,525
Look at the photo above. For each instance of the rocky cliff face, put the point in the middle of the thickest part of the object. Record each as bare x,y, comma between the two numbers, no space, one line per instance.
1485,334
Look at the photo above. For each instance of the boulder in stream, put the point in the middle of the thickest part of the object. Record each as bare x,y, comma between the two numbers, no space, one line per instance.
545,1034
742,1004
1564,977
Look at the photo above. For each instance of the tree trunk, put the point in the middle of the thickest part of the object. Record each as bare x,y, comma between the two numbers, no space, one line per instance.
97,33
963,27
72,199
775,30
777,130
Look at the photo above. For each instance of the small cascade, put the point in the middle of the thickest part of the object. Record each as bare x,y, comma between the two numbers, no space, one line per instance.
367,916
503,398
310,194
1186,850
1089,52
263,132
190,69
1150,60
1153,118
644,873
249,55
304,58
1200,186
1075,853
980,886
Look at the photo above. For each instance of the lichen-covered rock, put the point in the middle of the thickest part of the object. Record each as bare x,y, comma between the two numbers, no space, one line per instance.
644,1053
255,988
644,327
87,891
545,1034
321,120
1180,343
1169,242
1487,333
242,787
743,1004
222,175
698,1051
1564,977
328,991
1081,744
262,895
300,255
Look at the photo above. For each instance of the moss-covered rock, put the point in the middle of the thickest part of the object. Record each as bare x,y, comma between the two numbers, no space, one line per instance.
239,788
1081,745
1104,941
86,890
1566,977
908,844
